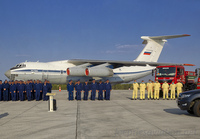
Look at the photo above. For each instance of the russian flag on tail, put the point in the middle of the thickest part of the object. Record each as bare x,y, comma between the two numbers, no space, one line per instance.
147,53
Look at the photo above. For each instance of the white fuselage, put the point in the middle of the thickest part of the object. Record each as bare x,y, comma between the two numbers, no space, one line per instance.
56,73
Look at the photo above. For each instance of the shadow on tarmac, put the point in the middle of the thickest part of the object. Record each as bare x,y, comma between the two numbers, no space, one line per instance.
177,111
3,115
129,98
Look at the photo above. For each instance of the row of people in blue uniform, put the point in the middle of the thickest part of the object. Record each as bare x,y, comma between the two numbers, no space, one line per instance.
20,90
101,88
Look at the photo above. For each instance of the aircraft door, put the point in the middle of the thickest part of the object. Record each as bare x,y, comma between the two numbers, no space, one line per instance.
44,75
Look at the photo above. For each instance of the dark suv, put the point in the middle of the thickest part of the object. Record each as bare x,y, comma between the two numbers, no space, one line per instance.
190,101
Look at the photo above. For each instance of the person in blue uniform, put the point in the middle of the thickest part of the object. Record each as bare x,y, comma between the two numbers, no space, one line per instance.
70,89
32,86
79,89
49,87
5,90
25,95
75,89
29,88
86,89
21,89
94,88
33,91
17,94
9,94
38,90
101,88
1,90
41,93
108,89
13,92
44,90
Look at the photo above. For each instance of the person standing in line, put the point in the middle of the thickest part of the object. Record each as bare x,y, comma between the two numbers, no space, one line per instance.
79,89
41,92
28,90
86,89
9,94
142,90
1,90
75,84
70,89
179,87
49,87
101,88
108,89
150,90
5,90
38,90
94,88
24,95
13,92
34,84
172,88
32,91
44,90
156,90
135,90
165,88
17,86
21,91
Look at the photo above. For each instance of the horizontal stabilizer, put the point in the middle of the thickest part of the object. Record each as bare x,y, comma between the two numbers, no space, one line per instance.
168,37
154,46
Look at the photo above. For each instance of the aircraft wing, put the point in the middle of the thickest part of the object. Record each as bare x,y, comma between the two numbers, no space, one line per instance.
117,64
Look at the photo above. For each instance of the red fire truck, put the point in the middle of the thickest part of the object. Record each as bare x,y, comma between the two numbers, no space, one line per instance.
176,73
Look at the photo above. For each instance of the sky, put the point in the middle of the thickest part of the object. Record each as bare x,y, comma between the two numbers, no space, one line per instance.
51,30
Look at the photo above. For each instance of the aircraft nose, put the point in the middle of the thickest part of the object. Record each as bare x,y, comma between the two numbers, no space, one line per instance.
8,74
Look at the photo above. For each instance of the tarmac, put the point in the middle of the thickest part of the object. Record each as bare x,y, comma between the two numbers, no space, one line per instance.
120,117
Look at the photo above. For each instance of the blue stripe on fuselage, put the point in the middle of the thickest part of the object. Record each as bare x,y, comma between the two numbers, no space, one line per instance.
59,71
34,70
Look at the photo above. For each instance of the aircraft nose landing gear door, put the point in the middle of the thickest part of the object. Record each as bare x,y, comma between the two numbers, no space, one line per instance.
44,75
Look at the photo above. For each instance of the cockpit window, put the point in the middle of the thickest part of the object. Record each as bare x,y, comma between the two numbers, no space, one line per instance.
21,65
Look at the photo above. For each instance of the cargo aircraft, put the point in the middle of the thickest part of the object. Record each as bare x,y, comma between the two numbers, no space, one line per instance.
60,72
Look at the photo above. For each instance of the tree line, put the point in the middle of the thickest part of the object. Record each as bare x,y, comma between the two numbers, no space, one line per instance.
114,87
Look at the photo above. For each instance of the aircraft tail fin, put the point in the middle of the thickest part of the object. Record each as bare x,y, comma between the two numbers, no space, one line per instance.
154,46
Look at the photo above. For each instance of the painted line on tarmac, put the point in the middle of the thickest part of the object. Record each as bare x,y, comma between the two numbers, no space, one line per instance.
78,133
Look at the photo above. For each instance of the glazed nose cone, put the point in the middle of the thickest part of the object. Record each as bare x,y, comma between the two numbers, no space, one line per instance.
8,74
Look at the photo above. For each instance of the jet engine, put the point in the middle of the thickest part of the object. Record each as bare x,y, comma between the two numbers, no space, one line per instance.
99,72
74,71
77,70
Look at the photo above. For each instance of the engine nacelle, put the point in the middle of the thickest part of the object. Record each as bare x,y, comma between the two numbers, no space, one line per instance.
99,72
74,71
